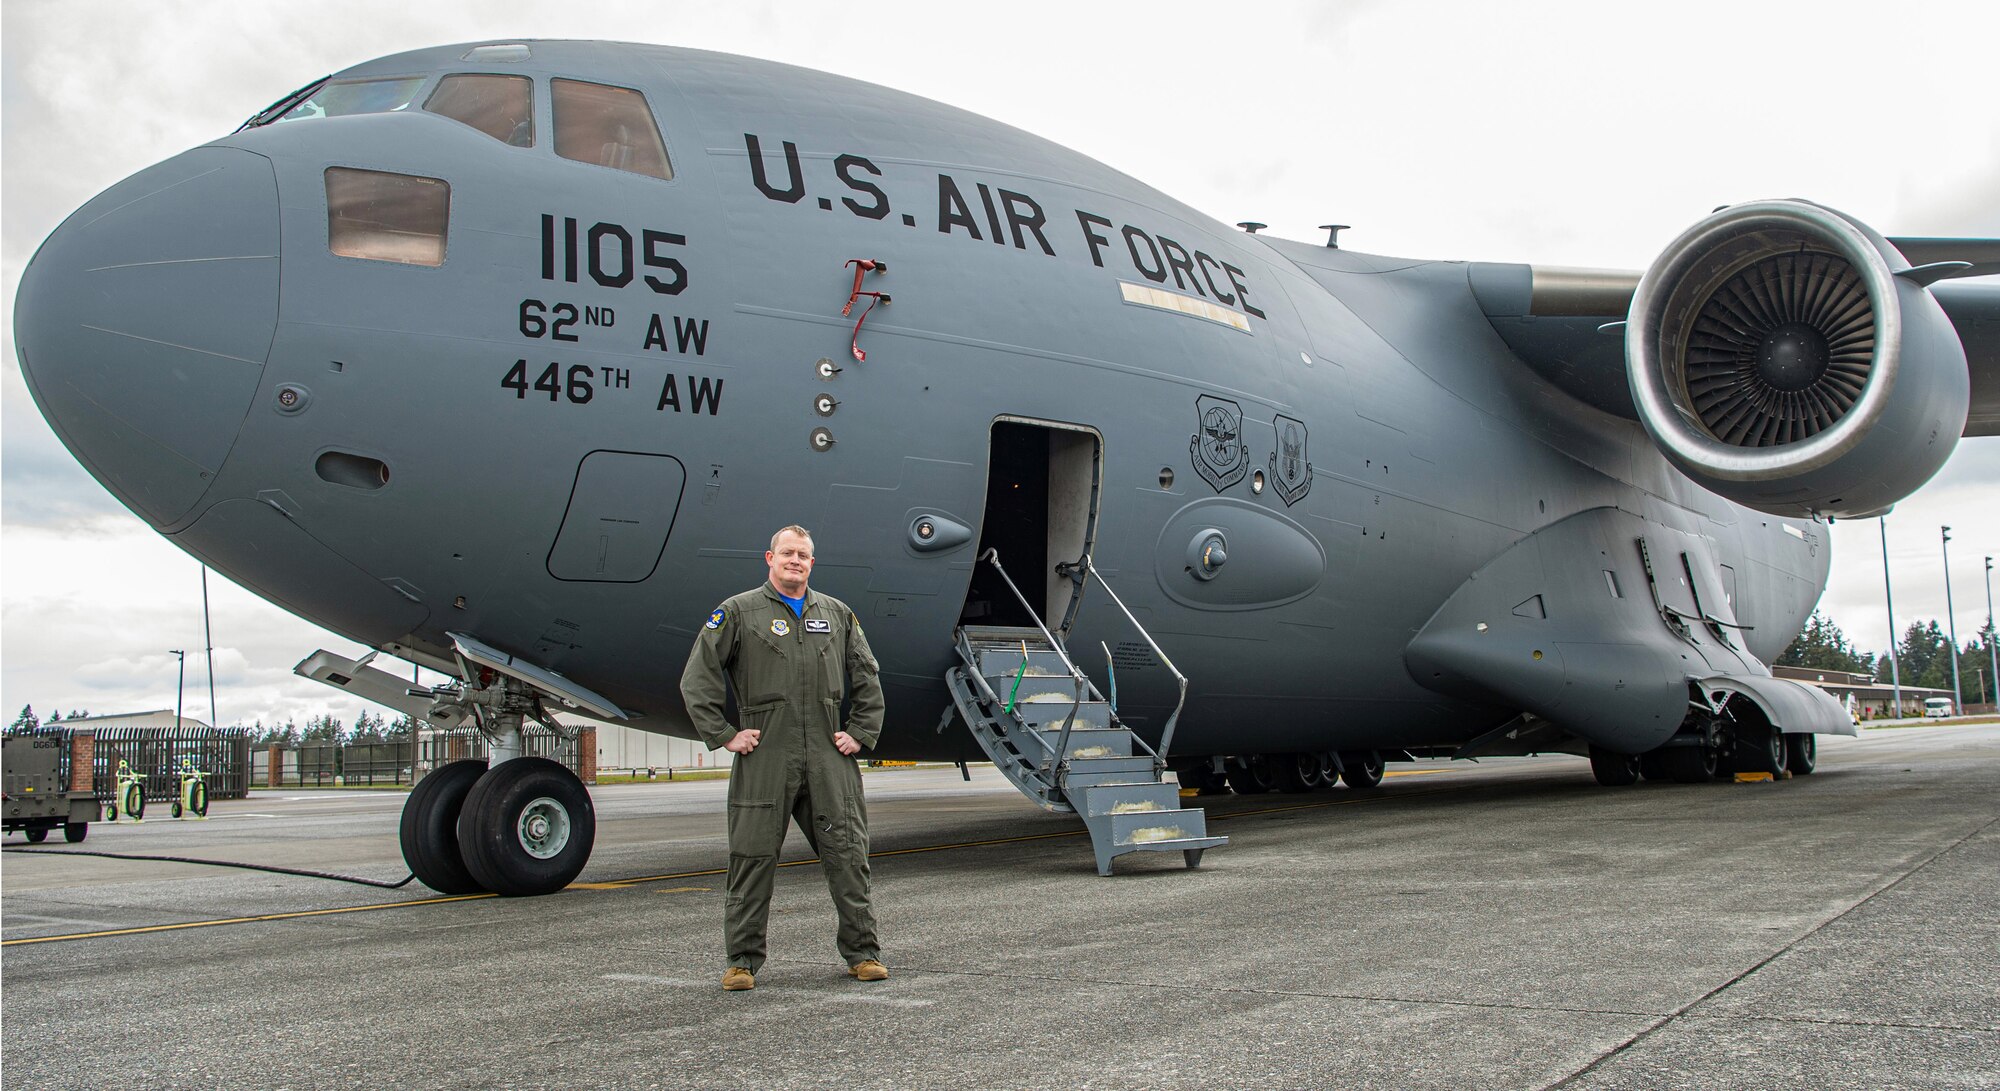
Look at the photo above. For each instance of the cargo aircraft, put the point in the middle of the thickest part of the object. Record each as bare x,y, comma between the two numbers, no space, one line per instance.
506,358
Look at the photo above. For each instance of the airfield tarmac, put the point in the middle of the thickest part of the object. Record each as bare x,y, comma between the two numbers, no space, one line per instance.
1502,925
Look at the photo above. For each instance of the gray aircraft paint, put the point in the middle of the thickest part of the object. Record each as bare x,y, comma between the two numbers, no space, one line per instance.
1429,451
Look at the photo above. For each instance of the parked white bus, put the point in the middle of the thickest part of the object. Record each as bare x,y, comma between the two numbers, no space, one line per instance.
1937,708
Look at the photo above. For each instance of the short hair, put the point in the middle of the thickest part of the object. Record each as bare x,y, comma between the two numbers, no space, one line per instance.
782,531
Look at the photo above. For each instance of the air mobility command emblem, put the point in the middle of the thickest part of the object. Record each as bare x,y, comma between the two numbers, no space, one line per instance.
1289,469
1220,455
715,619
780,627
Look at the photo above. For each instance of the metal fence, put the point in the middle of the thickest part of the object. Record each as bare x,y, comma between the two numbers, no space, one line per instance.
441,747
325,764
155,754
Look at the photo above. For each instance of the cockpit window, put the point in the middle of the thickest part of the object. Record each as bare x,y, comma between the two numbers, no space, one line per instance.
387,217
502,107
609,126
343,97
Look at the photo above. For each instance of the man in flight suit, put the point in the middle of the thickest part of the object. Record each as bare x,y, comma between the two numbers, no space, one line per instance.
787,650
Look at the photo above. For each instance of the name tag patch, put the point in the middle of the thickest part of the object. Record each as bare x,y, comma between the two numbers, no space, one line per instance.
818,625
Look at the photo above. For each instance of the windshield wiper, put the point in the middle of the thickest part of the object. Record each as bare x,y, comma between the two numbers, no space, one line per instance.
279,108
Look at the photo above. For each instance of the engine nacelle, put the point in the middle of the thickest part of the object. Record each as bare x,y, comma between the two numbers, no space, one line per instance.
1777,359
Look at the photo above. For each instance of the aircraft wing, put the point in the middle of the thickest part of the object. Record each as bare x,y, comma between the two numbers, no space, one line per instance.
1552,316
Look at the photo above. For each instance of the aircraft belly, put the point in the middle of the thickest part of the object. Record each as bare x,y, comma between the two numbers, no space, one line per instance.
256,545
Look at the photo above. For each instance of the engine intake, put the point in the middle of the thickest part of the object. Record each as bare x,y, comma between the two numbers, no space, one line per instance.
1777,359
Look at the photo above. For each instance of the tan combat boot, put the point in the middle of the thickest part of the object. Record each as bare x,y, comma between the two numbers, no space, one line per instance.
737,979
868,969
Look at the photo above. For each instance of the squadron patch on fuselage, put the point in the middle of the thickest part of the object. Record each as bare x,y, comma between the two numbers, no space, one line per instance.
780,627
1290,470
715,619
1217,448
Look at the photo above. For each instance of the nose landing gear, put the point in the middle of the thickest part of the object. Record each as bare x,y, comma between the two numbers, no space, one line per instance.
521,826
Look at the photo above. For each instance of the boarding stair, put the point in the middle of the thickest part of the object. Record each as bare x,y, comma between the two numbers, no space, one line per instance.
1055,736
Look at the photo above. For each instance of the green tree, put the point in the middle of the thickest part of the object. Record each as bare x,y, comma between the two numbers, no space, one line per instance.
401,728
1822,646
26,721
1975,668
1923,657
367,728
324,727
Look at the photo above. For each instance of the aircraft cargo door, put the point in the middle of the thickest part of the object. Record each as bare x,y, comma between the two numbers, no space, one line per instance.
1042,484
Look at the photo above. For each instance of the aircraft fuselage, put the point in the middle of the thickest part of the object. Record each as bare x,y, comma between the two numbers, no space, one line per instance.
572,435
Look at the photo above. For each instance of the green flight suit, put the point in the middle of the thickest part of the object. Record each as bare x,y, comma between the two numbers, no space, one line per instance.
787,672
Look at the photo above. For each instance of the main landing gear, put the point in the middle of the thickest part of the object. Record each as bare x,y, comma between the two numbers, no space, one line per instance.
1714,744
519,826
1294,773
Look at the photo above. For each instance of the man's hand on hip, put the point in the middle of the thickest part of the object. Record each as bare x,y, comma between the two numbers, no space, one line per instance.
744,742
845,743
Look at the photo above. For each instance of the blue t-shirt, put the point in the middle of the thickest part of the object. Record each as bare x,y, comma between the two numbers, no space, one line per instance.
798,605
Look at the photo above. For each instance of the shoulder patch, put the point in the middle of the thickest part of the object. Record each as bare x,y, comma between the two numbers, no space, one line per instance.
716,619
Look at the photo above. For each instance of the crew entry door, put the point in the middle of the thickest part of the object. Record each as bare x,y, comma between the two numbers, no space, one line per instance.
1043,480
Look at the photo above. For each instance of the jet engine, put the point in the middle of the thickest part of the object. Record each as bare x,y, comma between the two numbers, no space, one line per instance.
1785,356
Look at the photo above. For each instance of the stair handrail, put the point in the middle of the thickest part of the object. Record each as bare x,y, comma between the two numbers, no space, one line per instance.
1166,734
1061,755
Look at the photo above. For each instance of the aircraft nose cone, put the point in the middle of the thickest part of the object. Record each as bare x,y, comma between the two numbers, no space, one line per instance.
143,324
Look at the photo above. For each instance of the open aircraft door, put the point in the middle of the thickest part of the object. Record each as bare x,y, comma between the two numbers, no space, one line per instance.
1043,481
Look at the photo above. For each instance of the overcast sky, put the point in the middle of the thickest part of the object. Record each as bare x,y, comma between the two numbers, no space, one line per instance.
1566,133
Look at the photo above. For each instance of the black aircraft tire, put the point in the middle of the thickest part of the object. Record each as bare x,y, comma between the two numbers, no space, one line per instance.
198,799
1298,773
135,802
429,830
1201,779
74,832
527,828
38,834
1802,753
1252,778
1361,768
1688,764
1612,769
1764,753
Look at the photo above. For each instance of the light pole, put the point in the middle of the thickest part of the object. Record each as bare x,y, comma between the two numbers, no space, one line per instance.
1895,672
1992,653
1957,695
179,685
208,653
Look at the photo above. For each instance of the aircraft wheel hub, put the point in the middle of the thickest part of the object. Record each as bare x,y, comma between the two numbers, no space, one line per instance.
543,828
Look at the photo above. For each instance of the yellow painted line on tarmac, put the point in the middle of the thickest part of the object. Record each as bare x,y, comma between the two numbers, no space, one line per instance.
621,884
242,920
